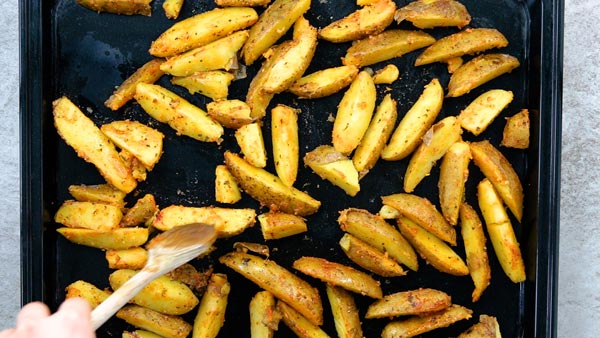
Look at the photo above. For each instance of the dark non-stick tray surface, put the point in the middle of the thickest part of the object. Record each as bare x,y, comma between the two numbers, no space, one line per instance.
72,51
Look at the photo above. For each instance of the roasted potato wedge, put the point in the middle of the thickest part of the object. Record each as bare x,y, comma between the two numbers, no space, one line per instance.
148,73
386,75
82,289
212,83
387,212
143,210
276,225
333,166
454,172
145,143
369,258
368,20
345,312
99,193
211,312
478,71
285,142
516,131
264,315
126,7
230,113
250,139
324,82
120,238
242,3
300,325
164,325
476,250
486,328
407,303
88,215
417,325
137,168
434,13
480,113
226,188
132,259
454,64
140,334
172,8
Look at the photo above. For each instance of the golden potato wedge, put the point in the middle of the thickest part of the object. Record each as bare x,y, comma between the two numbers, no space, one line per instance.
422,212
339,275
132,259
272,24
91,144
454,64
164,325
143,209
354,113
120,238
375,231
219,54
88,215
516,131
387,212
407,303
242,3
250,139
211,312
268,188
466,42
82,289
478,71
437,140
334,167
324,82
415,123
386,75
369,258
486,328
477,258
385,46
501,232
379,131
227,222
148,73
264,315
212,83
454,172
368,20
172,8
345,312
480,113
282,283
500,172
226,188
286,145
276,225
99,193
137,168
300,325
142,141
417,325
202,29
432,249
434,13
126,7
230,113
168,107
140,334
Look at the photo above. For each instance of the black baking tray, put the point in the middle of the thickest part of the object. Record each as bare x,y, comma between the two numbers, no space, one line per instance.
69,50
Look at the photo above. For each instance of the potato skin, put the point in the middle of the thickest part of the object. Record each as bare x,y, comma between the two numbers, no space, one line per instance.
300,325
429,14
369,20
148,73
324,82
416,325
478,71
406,303
369,258
475,249
345,312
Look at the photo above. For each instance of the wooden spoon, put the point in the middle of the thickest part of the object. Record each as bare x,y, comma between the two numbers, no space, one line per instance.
166,252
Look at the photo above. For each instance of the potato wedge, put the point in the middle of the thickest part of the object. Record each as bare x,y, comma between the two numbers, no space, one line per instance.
354,113
454,172
466,42
142,141
99,193
172,8
125,7
385,46
272,24
480,113
415,123
137,168
250,139
212,83
230,113
226,188
345,312
422,212
478,71
88,215
368,20
375,231
91,144
264,315
407,303
415,326
164,325
268,188
132,259
301,326
516,131
500,172
386,75
143,209
324,82
476,250
432,249
434,13
454,64
437,140
140,334
120,238
82,289
286,145
168,107
334,167
339,275
387,212
369,258
501,232
276,225
202,29
486,328
211,312
242,3
148,73
282,283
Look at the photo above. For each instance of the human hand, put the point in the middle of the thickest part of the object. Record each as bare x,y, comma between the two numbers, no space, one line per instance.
72,320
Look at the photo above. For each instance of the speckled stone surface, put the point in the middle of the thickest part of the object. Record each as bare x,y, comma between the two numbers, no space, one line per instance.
579,281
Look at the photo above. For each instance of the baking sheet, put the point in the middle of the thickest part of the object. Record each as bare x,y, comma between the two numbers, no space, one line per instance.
69,50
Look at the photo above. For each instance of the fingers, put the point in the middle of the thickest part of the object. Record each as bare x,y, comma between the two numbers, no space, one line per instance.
74,315
8,333
31,315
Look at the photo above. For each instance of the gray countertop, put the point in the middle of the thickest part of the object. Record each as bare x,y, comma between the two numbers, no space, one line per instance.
579,281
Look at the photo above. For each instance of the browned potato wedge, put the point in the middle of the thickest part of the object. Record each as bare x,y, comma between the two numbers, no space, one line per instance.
133,259
478,71
415,123
375,231
143,142
285,142
91,144
468,41
345,313
211,312
422,212
138,170
432,249
164,325
437,140
272,24
486,328
100,193
276,225
333,166
201,29
226,188
252,144
120,238
454,64
501,173
387,212
370,258
477,258
407,303
454,172
143,209
516,131
417,325
242,3
280,282
212,83
257,98
82,289
324,82
172,8
148,73
434,13
126,7
386,75
339,275
368,20
88,215
300,325
387,45
230,113
480,113
264,315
